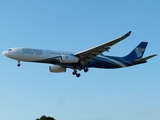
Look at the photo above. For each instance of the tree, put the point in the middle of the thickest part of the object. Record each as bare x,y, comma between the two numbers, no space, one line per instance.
45,118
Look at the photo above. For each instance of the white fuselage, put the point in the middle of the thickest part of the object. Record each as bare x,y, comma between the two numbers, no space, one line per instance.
30,54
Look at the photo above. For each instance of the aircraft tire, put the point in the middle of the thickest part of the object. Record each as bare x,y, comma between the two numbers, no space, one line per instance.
74,72
19,65
86,69
78,75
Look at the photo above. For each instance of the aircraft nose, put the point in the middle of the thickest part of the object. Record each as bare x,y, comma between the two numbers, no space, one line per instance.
10,53
4,53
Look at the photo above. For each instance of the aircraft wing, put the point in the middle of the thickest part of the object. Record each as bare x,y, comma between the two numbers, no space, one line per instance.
88,54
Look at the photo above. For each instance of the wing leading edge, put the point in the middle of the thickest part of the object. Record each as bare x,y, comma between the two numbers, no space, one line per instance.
88,54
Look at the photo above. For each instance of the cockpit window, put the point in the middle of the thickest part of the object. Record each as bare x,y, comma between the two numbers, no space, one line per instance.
9,50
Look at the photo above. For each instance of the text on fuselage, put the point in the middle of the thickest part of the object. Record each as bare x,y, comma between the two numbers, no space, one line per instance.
32,51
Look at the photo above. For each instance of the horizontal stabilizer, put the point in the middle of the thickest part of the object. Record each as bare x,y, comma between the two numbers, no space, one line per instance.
145,58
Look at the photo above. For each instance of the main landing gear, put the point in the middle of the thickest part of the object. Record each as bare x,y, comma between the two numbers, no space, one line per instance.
78,74
75,73
19,64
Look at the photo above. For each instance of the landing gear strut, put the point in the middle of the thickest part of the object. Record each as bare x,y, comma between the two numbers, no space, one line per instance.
18,64
75,73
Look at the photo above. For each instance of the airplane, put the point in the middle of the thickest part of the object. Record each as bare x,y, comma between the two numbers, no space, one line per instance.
90,58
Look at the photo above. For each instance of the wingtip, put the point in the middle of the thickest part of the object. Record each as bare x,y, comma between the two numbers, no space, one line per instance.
155,54
128,34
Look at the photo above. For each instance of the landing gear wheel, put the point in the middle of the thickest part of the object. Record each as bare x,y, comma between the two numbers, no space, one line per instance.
86,69
78,75
74,72
18,64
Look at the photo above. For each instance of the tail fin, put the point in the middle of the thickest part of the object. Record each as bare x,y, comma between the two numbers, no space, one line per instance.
138,52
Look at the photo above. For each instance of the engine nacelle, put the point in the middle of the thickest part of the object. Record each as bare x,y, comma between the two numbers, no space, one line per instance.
56,69
69,59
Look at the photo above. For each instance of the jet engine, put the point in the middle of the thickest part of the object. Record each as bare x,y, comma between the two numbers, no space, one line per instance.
69,59
57,69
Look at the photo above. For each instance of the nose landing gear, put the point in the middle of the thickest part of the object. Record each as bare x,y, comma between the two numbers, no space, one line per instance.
19,64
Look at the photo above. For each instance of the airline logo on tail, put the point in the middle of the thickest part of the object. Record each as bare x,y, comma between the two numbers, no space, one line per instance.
139,51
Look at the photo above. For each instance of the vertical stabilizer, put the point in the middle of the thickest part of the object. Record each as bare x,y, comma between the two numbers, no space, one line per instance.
138,52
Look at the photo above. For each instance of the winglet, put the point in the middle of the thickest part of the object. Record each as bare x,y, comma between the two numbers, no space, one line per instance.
128,34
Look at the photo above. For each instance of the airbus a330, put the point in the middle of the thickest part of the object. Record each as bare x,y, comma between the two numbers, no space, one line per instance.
90,58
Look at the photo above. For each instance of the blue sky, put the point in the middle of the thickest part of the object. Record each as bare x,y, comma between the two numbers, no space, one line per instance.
31,91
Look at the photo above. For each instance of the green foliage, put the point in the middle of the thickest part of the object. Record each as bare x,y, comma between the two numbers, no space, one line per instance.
45,118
